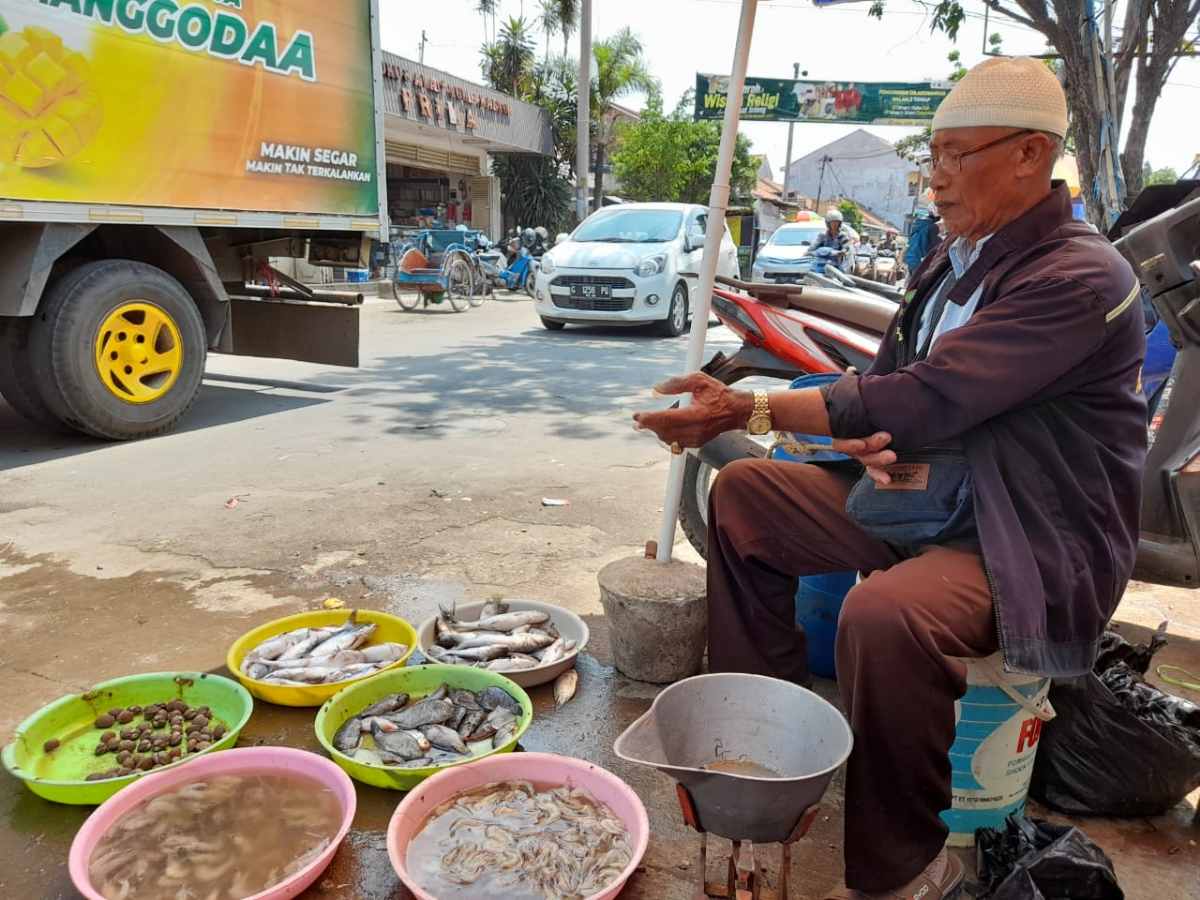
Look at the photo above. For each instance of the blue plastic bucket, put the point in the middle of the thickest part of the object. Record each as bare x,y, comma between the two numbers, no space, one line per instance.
356,276
819,601
996,738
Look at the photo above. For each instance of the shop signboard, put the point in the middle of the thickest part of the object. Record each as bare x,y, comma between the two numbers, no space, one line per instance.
853,102
257,105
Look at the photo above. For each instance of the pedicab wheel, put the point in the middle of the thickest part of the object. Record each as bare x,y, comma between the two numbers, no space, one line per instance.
529,283
460,284
478,295
408,300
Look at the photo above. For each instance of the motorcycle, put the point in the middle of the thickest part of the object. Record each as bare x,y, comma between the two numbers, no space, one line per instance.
523,250
788,332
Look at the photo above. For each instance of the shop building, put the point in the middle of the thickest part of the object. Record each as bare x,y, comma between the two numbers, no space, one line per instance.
439,134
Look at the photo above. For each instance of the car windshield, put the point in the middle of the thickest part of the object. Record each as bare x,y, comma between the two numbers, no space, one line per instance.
794,237
631,226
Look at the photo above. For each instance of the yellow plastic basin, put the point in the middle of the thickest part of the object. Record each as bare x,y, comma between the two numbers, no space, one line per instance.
389,629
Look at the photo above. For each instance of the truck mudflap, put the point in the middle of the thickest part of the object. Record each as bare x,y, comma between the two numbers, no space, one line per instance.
279,329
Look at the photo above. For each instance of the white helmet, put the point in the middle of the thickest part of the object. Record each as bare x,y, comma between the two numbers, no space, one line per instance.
834,215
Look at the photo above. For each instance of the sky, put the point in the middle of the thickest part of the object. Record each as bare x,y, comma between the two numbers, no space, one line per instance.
683,37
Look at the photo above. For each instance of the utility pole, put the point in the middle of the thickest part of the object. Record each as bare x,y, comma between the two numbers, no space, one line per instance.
583,110
787,166
424,40
821,181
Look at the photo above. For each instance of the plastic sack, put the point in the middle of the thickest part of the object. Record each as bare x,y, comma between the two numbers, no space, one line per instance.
1118,746
1033,860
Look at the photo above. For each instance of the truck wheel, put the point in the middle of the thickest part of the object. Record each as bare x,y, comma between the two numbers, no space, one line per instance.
17,382
118,349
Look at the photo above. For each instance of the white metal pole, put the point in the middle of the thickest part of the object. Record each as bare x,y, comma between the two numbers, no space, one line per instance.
718,202
583,109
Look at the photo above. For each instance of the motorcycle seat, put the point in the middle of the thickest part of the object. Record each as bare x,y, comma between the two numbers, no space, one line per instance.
875,315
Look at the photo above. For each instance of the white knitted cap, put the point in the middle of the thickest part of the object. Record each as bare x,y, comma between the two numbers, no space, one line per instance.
1017,92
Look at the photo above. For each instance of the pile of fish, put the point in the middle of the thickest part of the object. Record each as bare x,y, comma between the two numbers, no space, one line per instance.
448,725
320,655
500,640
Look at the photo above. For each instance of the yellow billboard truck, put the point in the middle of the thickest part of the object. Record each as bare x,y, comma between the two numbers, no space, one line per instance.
155,157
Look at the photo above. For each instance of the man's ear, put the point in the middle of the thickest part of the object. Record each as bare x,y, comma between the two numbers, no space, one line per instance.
1037,154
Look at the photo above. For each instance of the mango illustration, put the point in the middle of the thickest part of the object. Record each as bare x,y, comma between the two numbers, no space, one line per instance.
48,111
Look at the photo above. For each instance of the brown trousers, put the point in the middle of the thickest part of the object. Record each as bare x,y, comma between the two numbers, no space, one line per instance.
899,633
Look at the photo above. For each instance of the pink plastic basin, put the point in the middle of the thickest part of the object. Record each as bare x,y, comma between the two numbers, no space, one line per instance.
542,768
273,760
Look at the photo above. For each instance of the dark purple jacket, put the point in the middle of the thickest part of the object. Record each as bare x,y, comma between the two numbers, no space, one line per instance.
1042,387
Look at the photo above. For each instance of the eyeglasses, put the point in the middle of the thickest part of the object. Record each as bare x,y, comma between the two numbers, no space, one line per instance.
952,162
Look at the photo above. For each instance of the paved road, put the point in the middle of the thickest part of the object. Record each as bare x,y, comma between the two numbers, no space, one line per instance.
418,477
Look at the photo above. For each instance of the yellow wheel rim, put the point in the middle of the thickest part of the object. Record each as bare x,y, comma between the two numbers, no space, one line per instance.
139,352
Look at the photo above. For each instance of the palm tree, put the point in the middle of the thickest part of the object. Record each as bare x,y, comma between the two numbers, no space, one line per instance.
508,62
549,19
568,21
486,9
620,70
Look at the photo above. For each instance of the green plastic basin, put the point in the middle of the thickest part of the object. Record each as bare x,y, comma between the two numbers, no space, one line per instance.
416,681
60,775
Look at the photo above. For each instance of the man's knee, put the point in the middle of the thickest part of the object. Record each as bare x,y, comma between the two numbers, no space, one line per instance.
872,615
735,482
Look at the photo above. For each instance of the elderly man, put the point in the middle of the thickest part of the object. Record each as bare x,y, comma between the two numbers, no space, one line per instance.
1003,437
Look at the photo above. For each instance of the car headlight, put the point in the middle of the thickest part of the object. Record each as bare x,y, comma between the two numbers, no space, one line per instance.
651,265
547,265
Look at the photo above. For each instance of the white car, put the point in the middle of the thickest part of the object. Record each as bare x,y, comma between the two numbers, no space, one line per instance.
628,265
783,258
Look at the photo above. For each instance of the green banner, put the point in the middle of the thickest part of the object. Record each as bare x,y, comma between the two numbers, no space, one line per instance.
862,102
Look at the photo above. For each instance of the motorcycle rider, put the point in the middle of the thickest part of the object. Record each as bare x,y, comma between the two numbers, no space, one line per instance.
925,235
834,237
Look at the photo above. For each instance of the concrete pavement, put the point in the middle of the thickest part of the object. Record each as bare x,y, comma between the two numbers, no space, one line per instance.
418,477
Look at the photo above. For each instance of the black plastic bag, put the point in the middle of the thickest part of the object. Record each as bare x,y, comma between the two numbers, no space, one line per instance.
1033,860
1118,746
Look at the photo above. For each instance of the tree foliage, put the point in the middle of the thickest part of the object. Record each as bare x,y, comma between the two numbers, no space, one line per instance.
1153,35
853,215
672,158
1151,176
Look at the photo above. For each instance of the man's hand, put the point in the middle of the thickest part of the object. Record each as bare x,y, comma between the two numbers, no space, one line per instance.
871,452
715,409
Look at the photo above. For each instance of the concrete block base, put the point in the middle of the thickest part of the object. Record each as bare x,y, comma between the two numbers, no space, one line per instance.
657,617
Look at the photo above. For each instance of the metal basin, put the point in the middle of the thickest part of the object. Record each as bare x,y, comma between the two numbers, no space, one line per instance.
742,723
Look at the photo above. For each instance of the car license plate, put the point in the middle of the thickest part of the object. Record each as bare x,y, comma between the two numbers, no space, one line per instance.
593,291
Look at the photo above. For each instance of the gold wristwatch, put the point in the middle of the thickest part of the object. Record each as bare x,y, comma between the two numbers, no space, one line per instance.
760,418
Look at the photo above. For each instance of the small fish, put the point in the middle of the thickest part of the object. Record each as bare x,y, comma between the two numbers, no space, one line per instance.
303,647
508,621
470,722
257,671
385,725
444,738
512,664
388,704
271,649
504,735
440,693
465,699
491,651
399,762
460,713
514,643
564,686
349,736
493,608
404,744
424,712
387,652
349,638
492,696
553,653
